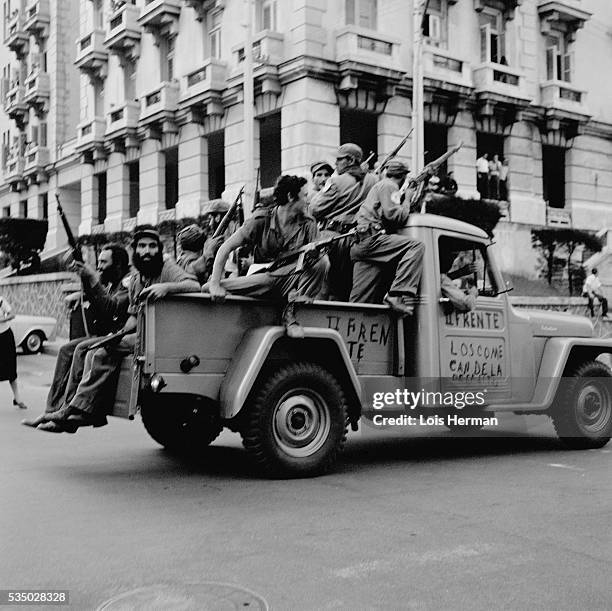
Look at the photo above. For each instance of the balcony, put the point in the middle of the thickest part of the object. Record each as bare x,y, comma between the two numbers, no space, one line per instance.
14,169
37,18
202,6
123,37
160,17
160,103
36,159
558,217
92,56
122,120
358,46
15,105
442,65
204,86
565,98
90,134
17,38
564,15
37,90
495,83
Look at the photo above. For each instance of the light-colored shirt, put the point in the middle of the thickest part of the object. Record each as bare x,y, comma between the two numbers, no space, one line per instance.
592,285
463,301
503,172
482,165
5,310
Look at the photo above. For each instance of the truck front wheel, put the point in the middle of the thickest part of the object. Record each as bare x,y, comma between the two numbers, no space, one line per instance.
296,423
180,423
583,416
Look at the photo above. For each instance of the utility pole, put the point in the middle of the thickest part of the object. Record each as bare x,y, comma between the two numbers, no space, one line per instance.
249,110
418,135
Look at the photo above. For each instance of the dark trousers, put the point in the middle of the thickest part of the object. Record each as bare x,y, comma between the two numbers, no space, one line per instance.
375,255
340,277
482,184
68,372
602,300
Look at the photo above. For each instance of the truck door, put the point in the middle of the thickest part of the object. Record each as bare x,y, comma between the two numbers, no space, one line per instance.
473,343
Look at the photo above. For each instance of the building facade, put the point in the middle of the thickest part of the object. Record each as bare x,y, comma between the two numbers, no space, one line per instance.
132,111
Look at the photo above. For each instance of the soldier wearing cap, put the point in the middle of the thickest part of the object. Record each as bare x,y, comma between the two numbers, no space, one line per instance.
321,171
380,251
335,206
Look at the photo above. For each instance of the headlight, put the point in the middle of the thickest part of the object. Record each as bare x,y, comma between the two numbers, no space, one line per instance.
157,383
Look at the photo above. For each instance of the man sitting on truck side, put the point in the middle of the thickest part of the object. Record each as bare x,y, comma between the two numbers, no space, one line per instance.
379,249
272,232
154,278
107,296
335,206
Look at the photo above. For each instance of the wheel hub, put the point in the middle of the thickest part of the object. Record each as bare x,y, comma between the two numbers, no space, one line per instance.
301,423
593,407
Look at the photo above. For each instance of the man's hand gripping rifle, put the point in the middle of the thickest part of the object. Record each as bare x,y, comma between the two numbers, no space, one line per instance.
76,251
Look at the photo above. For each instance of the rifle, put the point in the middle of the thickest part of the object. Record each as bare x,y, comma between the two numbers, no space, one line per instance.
225,221
76,252
256,193
109,339
418,181
393,153
301,252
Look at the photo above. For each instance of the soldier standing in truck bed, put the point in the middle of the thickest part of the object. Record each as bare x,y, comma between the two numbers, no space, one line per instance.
380,250
335,207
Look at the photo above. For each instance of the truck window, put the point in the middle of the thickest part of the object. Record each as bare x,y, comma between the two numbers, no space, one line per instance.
467,264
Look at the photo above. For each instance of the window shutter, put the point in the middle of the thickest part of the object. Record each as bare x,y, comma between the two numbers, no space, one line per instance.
568,61
350,12
485,49
43,134
34,135
434,27
551,54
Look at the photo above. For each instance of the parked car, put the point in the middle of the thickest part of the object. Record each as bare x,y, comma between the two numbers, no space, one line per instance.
31,332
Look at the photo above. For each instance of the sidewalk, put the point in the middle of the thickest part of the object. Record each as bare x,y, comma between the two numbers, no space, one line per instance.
52,348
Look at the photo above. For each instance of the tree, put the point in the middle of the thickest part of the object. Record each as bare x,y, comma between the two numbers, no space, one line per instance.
22,240
552,242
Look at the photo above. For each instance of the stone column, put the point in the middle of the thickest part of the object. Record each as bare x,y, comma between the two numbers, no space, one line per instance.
117,192
193,171
152,182
89,200
310,125
393,125
463,162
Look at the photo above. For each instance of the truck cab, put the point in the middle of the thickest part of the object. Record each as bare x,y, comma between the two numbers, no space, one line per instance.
200,366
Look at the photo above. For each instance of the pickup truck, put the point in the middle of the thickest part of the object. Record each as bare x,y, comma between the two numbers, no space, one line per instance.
200,366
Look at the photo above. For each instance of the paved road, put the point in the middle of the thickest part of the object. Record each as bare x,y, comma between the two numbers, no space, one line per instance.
418,523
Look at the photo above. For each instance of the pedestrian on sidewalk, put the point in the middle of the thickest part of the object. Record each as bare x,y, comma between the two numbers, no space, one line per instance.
8,352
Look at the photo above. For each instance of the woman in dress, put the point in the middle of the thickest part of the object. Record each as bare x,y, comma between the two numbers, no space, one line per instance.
8,352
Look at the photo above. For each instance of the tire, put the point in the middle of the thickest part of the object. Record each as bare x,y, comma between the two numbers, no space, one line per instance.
583,416
33,342
180,423
296,423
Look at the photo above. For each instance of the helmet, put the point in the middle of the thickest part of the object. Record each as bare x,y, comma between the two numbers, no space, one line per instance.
191,238
396,168
350,150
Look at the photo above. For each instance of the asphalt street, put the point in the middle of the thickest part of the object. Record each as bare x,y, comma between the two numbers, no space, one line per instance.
419,522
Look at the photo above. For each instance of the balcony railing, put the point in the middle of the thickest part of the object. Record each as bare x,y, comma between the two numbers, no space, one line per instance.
443,65
91,53
558,217
123,29
206,81
37,17
157,13
90,133
36,158
122,119
14,102
14,169
163,99
563,96
16,36
369,47
37,88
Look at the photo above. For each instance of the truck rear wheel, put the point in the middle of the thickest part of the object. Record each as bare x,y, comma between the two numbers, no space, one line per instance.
296,424
180,423
583,416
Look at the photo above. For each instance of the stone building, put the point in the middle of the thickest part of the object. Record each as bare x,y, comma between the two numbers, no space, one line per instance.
136,111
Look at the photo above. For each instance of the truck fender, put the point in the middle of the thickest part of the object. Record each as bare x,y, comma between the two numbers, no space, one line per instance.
557,352
252,353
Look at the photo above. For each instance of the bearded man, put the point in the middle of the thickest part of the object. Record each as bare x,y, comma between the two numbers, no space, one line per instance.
154,278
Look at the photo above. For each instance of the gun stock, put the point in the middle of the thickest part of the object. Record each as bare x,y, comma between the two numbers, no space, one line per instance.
110,339
76,251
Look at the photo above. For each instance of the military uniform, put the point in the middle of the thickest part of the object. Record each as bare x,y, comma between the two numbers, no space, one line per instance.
375,253
335,207
263,233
